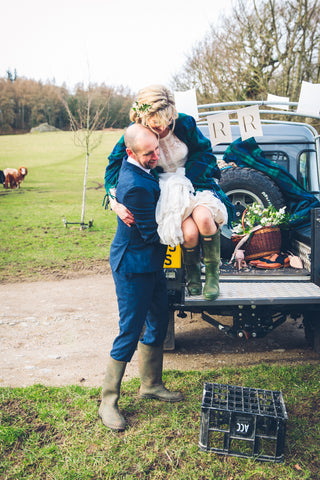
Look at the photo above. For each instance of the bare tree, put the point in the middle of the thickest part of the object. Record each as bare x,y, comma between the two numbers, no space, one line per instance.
87,123
263,46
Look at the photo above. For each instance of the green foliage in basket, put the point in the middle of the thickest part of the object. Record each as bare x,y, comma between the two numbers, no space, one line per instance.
258,215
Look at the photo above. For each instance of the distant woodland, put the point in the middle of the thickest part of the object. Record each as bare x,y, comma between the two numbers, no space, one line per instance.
27,103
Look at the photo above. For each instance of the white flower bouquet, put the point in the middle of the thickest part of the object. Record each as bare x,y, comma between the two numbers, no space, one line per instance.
257,215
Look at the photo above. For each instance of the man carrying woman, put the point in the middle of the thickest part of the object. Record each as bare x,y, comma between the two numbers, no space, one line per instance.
181,146
136,260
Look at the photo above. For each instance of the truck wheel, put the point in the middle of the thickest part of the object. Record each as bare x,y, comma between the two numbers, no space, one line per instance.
246,185
312,330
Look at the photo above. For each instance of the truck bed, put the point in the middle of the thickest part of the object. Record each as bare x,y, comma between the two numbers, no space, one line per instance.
230,273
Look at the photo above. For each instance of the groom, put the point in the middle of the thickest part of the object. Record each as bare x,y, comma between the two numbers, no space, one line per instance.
136,260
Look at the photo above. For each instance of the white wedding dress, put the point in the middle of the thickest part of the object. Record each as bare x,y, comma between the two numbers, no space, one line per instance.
178,197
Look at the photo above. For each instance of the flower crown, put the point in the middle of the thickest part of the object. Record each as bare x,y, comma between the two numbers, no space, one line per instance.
141,109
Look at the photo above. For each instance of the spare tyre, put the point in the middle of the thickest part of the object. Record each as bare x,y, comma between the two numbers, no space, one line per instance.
245,186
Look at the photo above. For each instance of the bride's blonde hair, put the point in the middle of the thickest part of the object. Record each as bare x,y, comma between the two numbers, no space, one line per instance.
156,102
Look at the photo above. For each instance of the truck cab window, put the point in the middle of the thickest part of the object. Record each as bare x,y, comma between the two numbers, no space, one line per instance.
307,171
280,158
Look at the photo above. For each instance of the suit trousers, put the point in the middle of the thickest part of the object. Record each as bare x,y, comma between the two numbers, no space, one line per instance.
142,299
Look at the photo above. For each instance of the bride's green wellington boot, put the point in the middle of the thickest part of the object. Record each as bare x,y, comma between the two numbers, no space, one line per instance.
211,258
191,260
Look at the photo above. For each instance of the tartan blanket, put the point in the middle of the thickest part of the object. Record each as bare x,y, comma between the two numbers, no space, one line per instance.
299,201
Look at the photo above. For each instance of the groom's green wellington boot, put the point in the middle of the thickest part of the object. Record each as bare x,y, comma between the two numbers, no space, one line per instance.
108,411
191,260
150,361
211,258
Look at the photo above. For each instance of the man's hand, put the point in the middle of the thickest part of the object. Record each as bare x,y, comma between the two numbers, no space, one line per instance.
123,213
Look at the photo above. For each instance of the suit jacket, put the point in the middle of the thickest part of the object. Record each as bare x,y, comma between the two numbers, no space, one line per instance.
137,249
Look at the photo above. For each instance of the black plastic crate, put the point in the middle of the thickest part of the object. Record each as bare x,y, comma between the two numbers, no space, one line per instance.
243,422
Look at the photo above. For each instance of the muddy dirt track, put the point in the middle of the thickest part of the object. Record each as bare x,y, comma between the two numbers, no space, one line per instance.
59,332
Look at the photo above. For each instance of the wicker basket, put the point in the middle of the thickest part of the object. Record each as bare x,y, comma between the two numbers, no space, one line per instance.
262,242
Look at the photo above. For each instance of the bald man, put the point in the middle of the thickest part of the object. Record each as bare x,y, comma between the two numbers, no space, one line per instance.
136,260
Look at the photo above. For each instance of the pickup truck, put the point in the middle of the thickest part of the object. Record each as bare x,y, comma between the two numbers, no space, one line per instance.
258,301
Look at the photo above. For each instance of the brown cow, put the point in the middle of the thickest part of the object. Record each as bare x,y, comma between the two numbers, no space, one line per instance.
14,177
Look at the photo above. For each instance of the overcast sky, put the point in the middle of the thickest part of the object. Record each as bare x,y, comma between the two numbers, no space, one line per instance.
119,42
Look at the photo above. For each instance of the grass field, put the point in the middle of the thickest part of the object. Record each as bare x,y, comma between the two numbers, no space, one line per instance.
34,240
54,433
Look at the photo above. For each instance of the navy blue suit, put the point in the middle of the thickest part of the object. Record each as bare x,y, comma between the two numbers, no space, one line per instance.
136,260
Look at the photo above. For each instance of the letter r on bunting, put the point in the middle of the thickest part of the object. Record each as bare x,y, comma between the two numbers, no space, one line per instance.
219,128
249,122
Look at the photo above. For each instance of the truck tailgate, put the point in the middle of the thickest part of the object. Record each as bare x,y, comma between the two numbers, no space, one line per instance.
260,293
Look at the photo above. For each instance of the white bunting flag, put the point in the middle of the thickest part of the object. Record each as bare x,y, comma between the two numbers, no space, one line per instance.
186,102
249,122
219,128
309,101
276,98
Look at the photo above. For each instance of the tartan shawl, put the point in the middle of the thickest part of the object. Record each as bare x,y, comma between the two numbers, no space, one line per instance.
201,166
298,200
